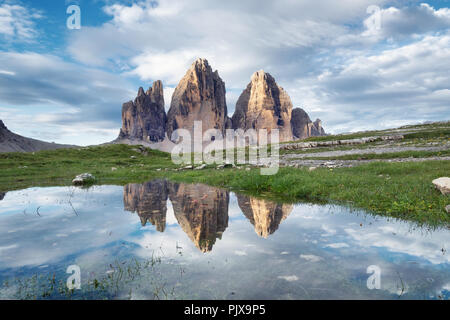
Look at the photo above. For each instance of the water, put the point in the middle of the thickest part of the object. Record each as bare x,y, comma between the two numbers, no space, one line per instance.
166,240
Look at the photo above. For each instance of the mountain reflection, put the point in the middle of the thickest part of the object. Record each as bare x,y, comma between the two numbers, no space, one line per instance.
149,201
200,210
265,215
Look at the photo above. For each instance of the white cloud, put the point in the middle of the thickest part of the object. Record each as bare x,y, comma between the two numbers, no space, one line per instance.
17,22
289,278
310,257
60,101
338,245
317,50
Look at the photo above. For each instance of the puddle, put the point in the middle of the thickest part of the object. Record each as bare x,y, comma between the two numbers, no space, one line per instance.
198,242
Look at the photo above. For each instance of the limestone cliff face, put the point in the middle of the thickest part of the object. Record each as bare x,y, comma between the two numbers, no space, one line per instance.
201,211
319,128
149,201
2,195
303,127
264,105
200,96
145,118
265,215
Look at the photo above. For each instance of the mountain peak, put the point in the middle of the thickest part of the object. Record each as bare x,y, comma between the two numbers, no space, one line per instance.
2,126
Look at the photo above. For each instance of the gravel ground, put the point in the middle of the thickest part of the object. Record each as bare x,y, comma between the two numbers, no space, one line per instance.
349,163
376,150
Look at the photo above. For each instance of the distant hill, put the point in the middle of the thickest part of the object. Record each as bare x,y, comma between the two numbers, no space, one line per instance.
11,142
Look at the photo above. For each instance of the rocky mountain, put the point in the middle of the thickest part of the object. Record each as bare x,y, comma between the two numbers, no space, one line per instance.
200,95
303,127
145,118
264,105
149,201
265,215
201,211
319,128
11,142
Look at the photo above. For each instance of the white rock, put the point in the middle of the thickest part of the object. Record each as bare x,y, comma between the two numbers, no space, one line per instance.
83,179
443,184
447,208
312,168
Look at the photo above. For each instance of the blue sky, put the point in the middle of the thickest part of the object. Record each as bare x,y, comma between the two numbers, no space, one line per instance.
68,86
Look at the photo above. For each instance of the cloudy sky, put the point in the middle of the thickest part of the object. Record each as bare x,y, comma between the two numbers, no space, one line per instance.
355,64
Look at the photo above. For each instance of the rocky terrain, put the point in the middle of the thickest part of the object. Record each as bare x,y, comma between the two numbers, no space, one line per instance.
414,144
11,142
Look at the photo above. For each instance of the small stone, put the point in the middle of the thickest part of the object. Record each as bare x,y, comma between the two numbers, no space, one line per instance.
159,169
83,179
203,166
133,157
113,169
447,208
312,168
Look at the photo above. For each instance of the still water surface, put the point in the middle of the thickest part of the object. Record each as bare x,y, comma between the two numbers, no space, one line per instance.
186,241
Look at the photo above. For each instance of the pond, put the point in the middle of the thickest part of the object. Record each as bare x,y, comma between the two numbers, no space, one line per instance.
166,240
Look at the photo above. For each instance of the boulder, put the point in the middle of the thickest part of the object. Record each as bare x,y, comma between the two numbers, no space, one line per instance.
264,105
83,179
443,185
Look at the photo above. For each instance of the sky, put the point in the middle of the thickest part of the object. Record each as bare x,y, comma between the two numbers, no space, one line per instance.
355,64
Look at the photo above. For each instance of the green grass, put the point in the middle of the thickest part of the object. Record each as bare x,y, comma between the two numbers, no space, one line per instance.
400,190
59,167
